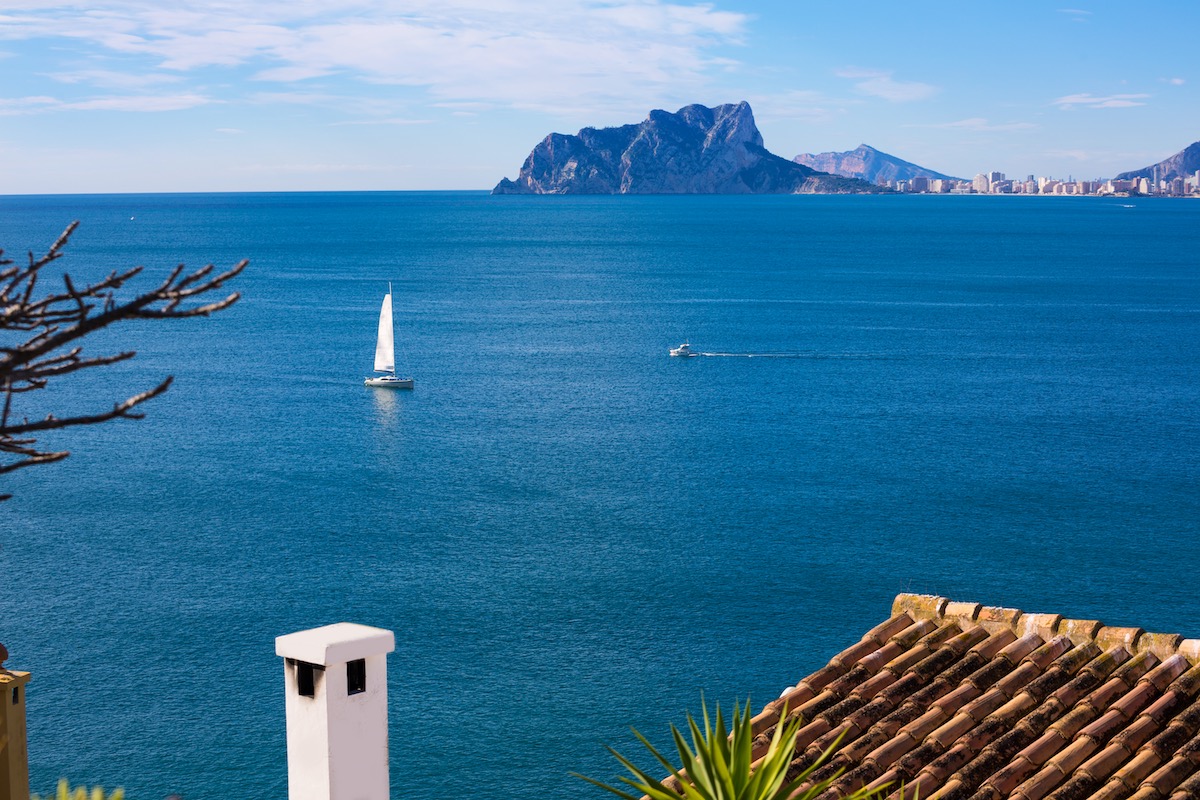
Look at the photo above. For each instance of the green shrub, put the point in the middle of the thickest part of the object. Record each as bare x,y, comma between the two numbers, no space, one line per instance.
718,765
65,792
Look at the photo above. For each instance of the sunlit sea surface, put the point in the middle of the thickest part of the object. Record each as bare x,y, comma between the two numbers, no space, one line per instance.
994,399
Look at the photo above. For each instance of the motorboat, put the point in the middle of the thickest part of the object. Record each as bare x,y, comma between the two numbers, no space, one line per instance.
683,351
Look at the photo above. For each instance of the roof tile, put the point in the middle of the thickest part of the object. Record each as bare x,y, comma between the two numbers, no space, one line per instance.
996,618
1177,733
1162,645
1190,649
1106,762
978,756
1189,789
1041,784
1080,630
1188,682
1134,772
1112,790
1078,787
1171,774
1090,677
962,701
951,790
1128,637
963,612
920,605
1044,625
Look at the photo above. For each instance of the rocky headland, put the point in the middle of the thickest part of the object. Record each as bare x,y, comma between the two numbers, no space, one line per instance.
1181,165
696,150
866,163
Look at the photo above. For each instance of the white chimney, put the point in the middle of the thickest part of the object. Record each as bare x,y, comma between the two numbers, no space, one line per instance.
337,724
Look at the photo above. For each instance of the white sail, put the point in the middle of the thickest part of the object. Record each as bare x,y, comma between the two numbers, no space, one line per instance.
385,347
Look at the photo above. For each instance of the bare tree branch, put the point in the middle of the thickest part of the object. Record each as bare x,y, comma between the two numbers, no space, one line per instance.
54,325
52,422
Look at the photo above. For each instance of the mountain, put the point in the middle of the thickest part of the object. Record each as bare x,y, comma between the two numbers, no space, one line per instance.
868,164
696,150
1180,165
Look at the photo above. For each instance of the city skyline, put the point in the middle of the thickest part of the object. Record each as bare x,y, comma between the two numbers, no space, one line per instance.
998,183
126,96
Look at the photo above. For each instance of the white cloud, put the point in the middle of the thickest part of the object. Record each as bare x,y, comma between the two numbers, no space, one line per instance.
880,83
465,106
141,103
17,106
1173,81
291,74
1091,101
389,121
547,54
316,168
22,106
1076,14
1073,155
981,125
112,79
804,105
369,110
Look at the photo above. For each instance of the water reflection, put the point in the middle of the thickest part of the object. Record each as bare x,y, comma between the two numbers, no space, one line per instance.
387,408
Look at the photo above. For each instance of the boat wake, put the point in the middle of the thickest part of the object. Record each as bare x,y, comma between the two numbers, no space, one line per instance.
805,354
685,351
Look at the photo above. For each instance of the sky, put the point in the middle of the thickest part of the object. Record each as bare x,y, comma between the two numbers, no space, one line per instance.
284,95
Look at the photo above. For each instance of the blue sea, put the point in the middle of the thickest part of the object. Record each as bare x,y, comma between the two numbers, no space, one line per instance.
994,399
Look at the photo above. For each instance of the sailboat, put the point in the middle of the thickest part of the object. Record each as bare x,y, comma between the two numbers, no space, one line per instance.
385,351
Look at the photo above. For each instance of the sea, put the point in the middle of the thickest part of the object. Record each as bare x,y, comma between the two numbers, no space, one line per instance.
994,399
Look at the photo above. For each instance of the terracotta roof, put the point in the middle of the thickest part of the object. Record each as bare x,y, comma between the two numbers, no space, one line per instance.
959,701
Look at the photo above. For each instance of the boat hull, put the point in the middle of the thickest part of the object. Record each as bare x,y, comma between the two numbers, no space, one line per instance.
683,351
389,382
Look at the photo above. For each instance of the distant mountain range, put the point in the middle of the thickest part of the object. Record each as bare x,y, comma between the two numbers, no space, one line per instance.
868,164
696,150
1180,165
719,150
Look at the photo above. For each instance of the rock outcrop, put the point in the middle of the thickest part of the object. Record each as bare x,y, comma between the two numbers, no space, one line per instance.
1181,165
866,163
696,150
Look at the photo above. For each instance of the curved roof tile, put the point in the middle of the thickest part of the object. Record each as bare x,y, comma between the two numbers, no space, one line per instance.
949,700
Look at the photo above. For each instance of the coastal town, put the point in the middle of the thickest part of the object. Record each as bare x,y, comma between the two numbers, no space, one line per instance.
998,183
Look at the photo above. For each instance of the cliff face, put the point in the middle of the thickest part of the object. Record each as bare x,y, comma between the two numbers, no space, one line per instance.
1180,165
866,163
696,150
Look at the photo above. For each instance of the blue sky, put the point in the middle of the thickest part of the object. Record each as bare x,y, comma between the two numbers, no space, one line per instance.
213,95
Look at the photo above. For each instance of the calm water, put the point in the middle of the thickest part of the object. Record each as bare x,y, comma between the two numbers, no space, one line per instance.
996,399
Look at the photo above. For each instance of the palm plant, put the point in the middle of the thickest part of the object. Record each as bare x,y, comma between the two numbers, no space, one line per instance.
721,766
